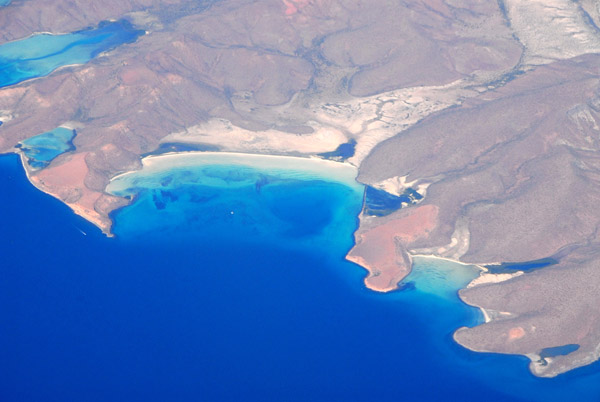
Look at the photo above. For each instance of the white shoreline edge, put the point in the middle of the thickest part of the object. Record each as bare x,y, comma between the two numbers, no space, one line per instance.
342,172
484,278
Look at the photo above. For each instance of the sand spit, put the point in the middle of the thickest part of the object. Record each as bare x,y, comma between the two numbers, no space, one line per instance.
486,278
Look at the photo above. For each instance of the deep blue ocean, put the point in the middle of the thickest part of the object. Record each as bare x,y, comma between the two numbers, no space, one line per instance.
166,311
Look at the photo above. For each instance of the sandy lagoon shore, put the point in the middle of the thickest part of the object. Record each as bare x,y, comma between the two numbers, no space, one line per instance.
285,166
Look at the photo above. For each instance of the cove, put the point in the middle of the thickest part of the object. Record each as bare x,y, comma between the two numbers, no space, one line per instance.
288,202
381,203
342,152
169,310
41,149
41,54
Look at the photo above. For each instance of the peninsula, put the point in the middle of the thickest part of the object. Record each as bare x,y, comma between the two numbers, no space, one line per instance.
474,125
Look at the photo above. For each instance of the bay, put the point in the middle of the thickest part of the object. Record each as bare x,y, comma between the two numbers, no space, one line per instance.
167,311
41,54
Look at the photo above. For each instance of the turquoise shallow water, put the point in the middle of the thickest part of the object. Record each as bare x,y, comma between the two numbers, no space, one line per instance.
39,55
191,302
41,149
285,207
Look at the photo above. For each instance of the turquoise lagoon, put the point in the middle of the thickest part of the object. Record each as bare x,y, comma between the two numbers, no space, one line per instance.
265,199
227,281
41,149
39,55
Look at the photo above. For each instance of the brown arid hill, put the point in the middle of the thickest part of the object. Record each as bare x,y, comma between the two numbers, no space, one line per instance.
491,109
515,177
240,73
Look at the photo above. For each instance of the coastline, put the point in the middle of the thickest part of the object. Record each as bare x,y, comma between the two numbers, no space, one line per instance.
319,168
342,172
382,246
482,279
104,225
370,281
